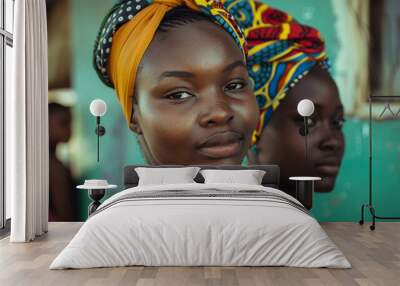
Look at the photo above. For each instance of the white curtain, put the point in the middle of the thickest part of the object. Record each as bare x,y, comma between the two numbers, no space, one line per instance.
27,124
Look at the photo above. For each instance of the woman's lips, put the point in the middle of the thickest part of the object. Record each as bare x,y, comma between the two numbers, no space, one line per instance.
221,145
327,169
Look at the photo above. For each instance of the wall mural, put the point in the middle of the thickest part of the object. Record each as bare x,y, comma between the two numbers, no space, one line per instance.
194,93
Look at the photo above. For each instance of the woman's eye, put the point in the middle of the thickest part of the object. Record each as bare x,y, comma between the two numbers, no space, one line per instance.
340,122
179,95
237,85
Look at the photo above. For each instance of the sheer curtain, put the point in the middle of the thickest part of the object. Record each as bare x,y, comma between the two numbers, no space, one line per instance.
27,124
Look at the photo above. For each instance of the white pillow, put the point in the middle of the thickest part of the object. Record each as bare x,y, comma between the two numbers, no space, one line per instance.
163,176
247,177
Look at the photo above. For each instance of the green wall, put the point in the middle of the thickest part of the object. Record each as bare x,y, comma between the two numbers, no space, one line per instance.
119,147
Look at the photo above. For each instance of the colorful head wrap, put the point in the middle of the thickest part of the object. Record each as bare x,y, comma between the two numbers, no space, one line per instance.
127,31
280,52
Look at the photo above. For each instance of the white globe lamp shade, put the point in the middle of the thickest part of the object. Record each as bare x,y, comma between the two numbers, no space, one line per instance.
98,107
305,107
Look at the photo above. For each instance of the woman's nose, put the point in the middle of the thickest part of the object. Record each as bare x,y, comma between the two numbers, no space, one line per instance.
332,144
331,139
216,112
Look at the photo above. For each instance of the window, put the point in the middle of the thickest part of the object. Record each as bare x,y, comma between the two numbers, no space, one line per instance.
352,54
384,54
6,45
367,61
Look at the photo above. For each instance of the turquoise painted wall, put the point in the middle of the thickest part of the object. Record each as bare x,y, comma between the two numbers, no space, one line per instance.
119,147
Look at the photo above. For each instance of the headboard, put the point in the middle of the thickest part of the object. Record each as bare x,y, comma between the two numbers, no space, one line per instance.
270,179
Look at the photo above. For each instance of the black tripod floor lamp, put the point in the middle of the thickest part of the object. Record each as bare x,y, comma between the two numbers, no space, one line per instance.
387,100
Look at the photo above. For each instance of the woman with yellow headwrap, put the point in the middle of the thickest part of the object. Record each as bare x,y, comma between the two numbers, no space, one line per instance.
179,71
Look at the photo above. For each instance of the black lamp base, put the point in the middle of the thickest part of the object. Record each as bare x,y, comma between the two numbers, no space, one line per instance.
96,195
304,193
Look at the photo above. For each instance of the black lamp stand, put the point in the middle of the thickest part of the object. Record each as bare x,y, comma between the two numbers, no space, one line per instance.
96,195
100,131
305,135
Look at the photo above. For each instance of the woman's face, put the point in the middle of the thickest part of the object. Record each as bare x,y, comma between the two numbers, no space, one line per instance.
282,144
194,104
60,128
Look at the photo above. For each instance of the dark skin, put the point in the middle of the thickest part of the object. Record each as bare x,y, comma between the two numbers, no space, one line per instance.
281,143
59,127
62,204
193,101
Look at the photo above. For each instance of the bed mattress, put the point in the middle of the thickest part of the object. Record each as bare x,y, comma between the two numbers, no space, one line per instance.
201,225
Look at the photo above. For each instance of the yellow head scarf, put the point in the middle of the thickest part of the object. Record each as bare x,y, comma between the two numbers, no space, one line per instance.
124,60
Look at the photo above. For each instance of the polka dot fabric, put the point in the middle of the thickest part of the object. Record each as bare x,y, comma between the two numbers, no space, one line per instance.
118,15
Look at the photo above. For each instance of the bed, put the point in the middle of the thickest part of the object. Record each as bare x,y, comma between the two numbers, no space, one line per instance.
201,224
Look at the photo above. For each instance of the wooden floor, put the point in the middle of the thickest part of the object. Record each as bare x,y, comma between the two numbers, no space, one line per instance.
374,255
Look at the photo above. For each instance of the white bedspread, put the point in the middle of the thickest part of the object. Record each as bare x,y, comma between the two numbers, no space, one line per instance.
181,231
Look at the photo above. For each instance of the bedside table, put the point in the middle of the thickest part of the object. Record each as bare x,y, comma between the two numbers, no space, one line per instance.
96,191
305,189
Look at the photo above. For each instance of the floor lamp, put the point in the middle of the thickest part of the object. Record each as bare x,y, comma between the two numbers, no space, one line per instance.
305,185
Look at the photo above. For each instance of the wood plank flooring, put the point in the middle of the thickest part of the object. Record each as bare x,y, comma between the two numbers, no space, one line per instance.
374,255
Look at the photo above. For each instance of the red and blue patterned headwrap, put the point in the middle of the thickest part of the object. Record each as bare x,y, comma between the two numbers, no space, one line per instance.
280,52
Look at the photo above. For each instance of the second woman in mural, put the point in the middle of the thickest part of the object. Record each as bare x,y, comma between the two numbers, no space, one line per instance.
288,63
281,141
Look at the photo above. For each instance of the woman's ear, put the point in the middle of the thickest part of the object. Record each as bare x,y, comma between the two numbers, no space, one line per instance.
134,124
